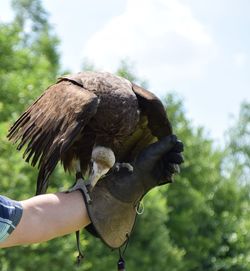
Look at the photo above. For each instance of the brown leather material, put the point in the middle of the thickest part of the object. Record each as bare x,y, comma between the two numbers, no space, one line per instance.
113,219
112,210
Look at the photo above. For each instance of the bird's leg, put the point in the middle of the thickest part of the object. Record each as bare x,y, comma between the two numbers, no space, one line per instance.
119,166
80,184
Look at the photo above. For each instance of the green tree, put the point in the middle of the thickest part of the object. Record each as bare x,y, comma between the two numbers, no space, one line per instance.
209,212
238,145
29,58
200,222
29,62
126,69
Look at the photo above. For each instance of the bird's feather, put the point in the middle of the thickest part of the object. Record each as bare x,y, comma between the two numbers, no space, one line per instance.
51,125
153,108
153,125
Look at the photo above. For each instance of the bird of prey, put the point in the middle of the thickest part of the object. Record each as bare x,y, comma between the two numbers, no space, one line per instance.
88,121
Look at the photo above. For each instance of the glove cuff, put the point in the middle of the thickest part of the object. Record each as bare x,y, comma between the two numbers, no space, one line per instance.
112,220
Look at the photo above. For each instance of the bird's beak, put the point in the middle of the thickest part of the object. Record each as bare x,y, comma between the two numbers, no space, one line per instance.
97,171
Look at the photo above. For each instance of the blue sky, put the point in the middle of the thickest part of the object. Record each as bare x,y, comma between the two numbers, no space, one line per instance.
199,49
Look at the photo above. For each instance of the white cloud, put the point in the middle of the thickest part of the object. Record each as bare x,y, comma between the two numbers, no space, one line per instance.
161,36
240,59
6,11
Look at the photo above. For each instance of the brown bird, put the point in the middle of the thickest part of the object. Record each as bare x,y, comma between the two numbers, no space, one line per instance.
89,121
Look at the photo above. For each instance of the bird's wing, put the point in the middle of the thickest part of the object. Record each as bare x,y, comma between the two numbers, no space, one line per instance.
153,124
51,124
156,114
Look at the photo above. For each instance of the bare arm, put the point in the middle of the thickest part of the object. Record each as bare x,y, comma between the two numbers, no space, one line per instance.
48,216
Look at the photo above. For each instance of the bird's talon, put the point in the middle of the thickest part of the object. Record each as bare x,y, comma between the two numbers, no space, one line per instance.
119,166
89,187
89,200
116,167
81,185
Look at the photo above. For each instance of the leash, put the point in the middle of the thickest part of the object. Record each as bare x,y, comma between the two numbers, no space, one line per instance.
121,261
80,256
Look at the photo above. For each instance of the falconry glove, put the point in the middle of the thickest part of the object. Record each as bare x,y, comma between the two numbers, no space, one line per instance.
115,198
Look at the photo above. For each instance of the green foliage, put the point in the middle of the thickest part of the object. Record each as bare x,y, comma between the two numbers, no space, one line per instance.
30,12
200,222
151,247
29,59
126,70
238,159
208,211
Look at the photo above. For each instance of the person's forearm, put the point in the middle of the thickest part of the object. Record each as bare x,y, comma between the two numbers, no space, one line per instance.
48,216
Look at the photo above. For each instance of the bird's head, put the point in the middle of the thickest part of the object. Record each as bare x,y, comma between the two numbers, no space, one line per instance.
103,159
